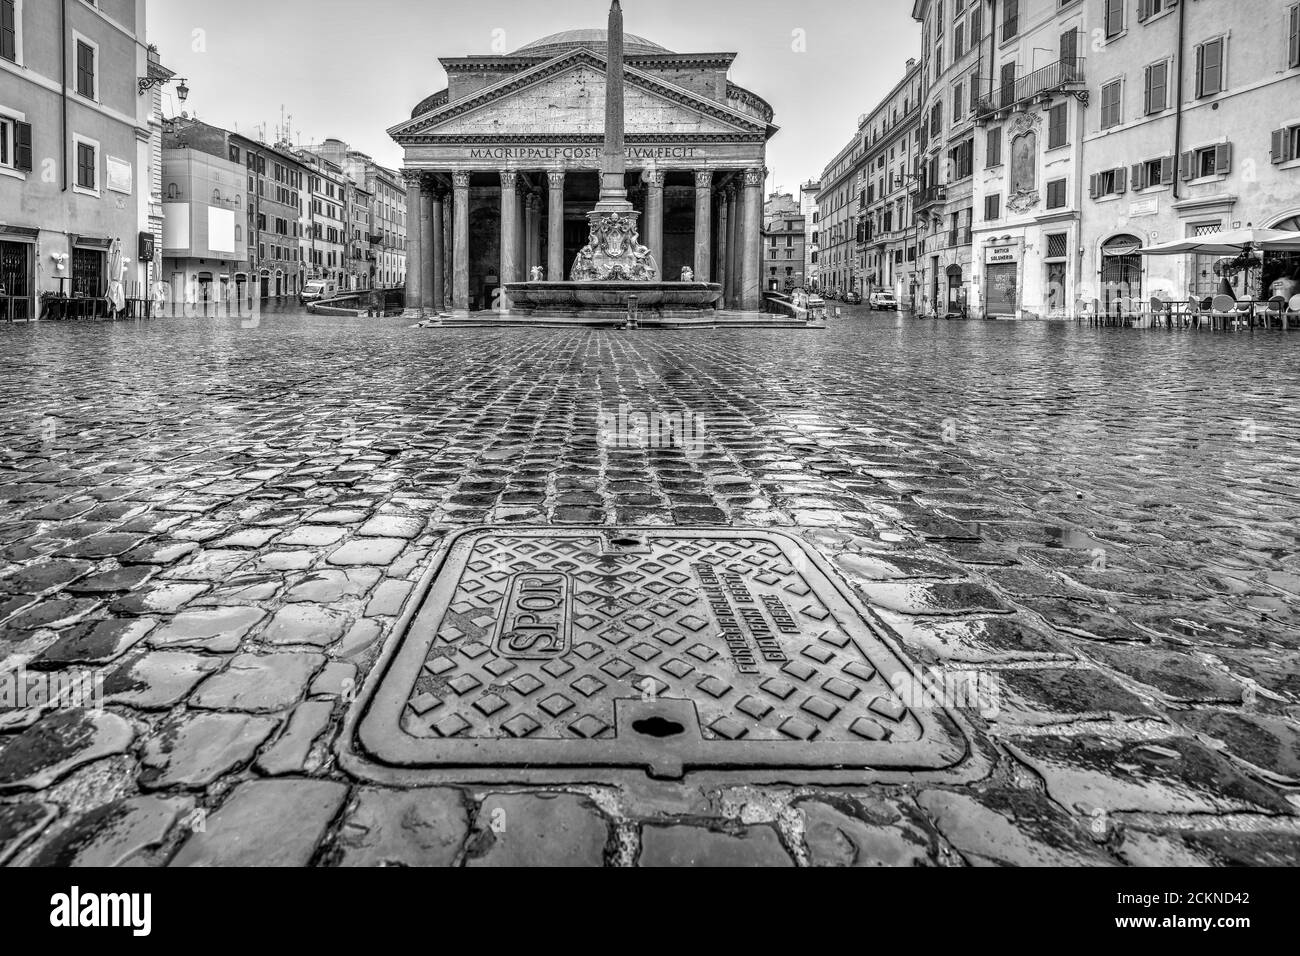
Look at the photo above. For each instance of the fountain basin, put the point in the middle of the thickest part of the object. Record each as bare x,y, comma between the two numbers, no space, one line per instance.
606,298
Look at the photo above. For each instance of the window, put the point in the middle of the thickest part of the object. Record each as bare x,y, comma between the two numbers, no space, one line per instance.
936,119
1011,19
9,30
1057,134
1293,35
1149,8
1058,244
1157,88
1207,161
957,103
1153,172
993,148
1114,18
960,160
1112,113
1286,144
87,165
958,41
976,25
1112,182
15,145
86,69
992,207
1056,194
1209,67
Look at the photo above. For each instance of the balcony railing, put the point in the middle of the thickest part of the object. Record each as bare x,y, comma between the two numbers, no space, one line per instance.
1056,76
930,195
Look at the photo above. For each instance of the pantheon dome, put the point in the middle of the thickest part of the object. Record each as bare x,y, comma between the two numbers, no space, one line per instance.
597,40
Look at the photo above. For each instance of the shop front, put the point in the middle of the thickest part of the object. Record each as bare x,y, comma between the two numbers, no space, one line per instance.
1002,291
17,277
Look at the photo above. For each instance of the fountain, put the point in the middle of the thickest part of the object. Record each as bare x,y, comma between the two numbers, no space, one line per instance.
614,274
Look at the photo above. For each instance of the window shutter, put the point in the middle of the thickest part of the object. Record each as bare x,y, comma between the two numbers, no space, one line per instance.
1135,172
1279,146
1144,9
1121,180
1146,97
1223,158
1094,185
1185,163
1294,47
1166,170
1213,78
23,147
1200,71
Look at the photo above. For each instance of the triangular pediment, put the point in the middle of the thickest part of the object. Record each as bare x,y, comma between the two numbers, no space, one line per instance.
565,97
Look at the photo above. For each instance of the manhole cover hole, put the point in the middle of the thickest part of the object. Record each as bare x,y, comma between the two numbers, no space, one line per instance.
668,650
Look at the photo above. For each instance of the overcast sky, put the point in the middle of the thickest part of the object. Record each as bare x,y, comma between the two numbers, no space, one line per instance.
353,68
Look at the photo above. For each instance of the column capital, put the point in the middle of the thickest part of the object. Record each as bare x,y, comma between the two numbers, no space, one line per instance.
509,178
653,178
413,177
556,179
460,178
703,178
755,176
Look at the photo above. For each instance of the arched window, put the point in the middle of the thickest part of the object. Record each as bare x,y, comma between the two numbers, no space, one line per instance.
173,191
216,196
239,233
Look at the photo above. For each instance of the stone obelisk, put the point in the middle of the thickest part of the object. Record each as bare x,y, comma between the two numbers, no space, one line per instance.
613,162
614,252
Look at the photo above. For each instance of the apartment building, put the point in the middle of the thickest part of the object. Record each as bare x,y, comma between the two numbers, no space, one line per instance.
952,62
812,232
327,215
1193,128
275,217
842,195
205,235
889,234
78,121
1031,108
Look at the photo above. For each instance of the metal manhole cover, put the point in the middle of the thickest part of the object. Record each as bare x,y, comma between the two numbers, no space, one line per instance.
668,650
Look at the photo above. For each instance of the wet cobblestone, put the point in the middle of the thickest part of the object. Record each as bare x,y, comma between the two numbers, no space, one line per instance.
215,518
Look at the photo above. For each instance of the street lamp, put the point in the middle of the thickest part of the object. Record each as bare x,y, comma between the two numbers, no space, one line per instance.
147,83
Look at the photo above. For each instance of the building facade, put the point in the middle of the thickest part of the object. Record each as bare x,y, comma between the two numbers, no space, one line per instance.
205,233
889,234
1030,111
812,232
325,219
842,196
783,243
75,150
953,34
275,217
1193,128
502,168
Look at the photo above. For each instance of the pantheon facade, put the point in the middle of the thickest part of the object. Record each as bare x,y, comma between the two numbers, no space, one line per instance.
503,166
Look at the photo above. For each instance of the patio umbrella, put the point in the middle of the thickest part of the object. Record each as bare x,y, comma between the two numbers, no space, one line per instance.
116,270
1228,243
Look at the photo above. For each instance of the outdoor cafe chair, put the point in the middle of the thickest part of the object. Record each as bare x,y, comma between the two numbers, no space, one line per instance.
1276,310
1224,310
1292,309
1159,310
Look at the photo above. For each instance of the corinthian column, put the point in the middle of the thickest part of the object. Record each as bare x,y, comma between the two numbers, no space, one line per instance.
509,225
751,240
414,200
555,228
724,244
733,245
703,224
654,214
460,243
435,294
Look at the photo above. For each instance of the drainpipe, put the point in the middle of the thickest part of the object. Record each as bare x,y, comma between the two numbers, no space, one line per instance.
63,42
1178,107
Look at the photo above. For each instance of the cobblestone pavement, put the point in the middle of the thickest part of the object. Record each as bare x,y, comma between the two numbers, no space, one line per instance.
225,523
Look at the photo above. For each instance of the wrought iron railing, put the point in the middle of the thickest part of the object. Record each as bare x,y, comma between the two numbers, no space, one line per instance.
1056,76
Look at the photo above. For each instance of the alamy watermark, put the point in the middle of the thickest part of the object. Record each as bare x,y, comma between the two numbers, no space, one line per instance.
934,689
76,689
628,428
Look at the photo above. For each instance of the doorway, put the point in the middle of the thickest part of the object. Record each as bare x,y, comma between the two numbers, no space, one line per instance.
16,281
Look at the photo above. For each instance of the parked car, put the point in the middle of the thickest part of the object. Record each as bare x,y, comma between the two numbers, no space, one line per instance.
881,301
317,289
853,298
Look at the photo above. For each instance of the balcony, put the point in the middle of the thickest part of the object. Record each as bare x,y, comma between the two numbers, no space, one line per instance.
931,196
1065,75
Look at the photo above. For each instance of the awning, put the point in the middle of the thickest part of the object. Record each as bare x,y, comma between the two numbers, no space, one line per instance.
1228,243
